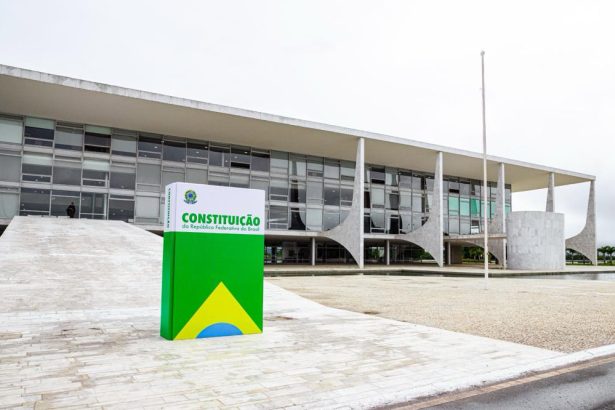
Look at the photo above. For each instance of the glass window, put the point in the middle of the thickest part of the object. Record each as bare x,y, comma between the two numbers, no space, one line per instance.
453,225
279,162
453,205
453,187
10,168
121,208
314,219
346,196
150,146
93,205
417,202
36,167
262,184
464,206
331,219
427,183
347,170
60,200
405,200
332,169
377,197
377,176
297,166
314,192
122,177
67,172
278,190
67,137
315,167
11,130
405,179
405,222
297,192
240,157
97,139
391,176
367,223
392,223
148,174
475,226
475,207
475,189
377,222
464,188
124,145
418,183
464,226
147,207
367,201
260,161
332,195
278,217
392,201
217,178
39,132
240,180
9,204
196,175
198,152
219,156
34,201
297,219
174,151
170,175
95,173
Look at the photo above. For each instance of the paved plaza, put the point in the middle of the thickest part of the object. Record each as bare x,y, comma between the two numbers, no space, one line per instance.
562,315
80,323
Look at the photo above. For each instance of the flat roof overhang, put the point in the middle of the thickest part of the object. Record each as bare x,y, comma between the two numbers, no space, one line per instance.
27,92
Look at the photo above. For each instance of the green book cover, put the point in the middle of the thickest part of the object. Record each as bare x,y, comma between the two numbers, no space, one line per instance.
212,265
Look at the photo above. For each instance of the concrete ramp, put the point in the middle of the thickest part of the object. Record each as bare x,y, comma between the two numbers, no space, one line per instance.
78,264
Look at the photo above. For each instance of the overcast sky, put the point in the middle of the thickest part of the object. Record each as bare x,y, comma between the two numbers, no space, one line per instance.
404,68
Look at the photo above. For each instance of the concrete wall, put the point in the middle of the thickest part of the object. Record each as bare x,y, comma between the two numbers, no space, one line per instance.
536,240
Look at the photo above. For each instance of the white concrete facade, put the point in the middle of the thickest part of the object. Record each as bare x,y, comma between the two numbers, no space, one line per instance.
536,240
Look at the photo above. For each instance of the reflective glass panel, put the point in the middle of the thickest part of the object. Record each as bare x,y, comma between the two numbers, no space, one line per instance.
34,201
67,172
260,161
11,130
10,168
174,151
122,177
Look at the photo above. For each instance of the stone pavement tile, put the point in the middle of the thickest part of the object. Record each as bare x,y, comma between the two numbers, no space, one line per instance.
92,340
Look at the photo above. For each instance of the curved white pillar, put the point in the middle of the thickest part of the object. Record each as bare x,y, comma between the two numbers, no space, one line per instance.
585,241
349,233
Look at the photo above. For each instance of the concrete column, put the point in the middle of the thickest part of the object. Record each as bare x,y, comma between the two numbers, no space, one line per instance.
585,241
551,193
313,251
497,247
448,253
430,236
349,233
387,252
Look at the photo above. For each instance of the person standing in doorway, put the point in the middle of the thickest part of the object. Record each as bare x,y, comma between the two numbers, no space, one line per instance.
70,210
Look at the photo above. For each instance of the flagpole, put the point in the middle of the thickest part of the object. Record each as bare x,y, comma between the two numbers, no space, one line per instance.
485,187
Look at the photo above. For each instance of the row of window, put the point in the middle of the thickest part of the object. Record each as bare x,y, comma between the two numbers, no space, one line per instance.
300,252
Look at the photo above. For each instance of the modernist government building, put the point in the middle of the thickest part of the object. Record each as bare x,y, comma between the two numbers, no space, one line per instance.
334,195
